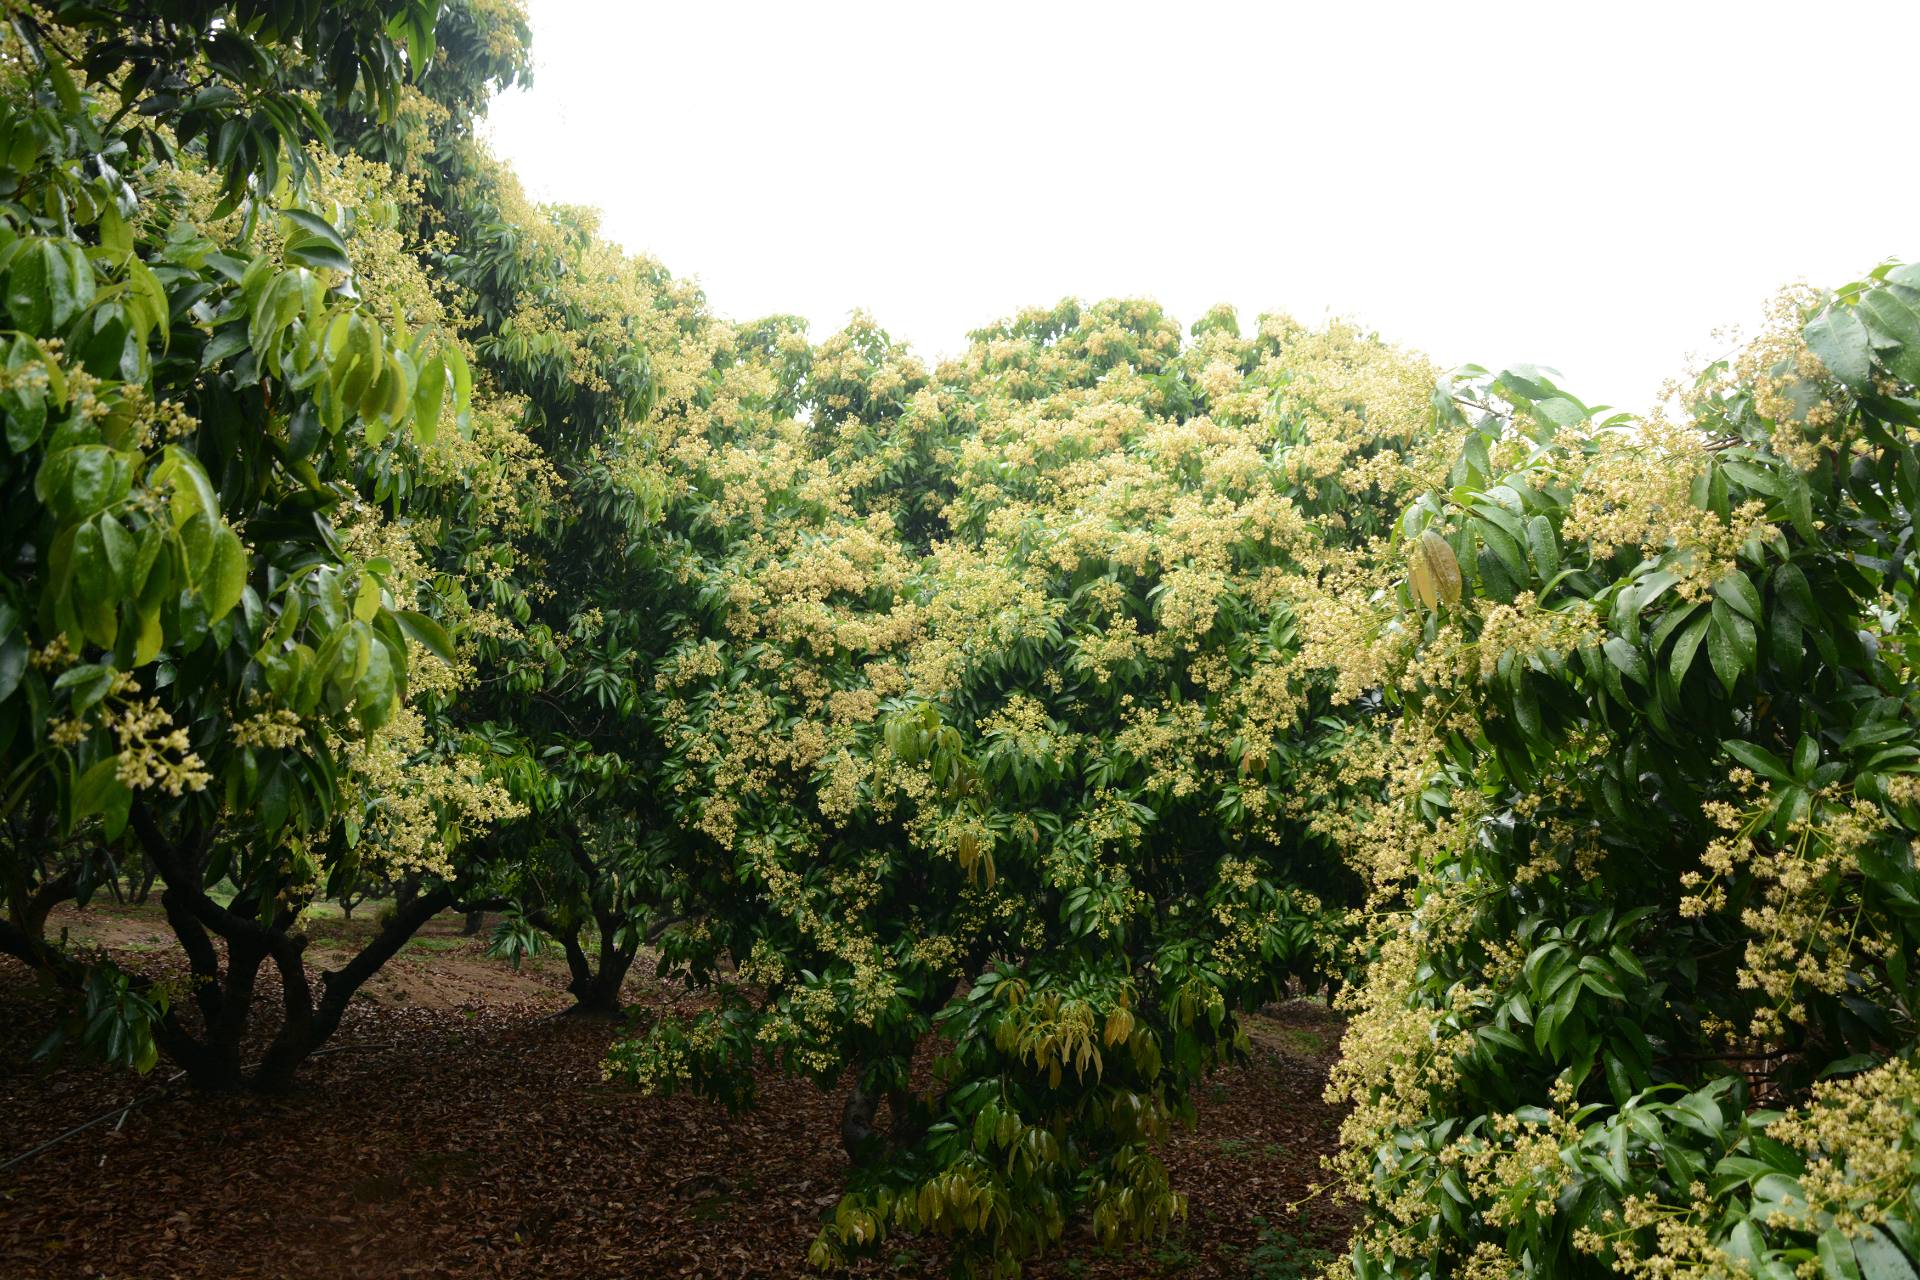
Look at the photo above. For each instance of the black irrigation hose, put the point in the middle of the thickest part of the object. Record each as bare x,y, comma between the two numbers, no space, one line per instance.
120,1111
149,1096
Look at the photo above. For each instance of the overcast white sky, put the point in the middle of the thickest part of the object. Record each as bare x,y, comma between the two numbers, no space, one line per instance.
1596,187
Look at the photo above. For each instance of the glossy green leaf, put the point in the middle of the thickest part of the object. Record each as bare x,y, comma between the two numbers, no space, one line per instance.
1731,644
427,633
1839,338
226,575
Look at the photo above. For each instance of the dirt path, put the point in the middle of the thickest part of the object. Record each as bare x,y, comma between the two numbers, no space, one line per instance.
437,969
457,1132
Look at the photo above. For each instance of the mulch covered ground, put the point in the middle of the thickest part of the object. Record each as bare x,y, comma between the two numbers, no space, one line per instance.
457,1131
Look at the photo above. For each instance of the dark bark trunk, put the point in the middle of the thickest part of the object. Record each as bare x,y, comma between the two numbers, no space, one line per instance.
139,896
25,935
908,1115
310,1023
212,1060
857,1135
595,984
579,972
595,987
476,921
603,997
908,1119
599,995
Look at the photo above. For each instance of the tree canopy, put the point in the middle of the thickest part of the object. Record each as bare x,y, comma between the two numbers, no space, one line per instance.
985,738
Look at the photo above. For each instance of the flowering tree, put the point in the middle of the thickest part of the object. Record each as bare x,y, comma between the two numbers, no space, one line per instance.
985,738
979,735
1641,995
227,376
593,354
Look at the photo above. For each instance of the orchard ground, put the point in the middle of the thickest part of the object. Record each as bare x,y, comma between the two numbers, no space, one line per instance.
456,1128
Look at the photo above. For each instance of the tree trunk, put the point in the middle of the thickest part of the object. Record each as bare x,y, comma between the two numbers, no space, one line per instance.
857,1136
909,1116
908,1119
139,895
309,1023
476,921
23,932
599,995
254,933
595,988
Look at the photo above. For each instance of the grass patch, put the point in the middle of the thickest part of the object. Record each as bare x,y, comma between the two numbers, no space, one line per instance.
1280,1255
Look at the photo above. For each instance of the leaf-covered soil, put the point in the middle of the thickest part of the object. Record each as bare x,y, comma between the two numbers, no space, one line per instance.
455,1129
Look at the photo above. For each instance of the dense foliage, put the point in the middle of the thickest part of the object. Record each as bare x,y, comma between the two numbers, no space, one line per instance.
281,501
204,379
1642,994
987,738
981,723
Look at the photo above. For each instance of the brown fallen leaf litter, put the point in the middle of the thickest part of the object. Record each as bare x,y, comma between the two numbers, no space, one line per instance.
456,1130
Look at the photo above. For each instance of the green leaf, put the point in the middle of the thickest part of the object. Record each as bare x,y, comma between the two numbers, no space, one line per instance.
1840,340
1880,1258
316,226
150,635
429,396
1806,757
93,576
1755,478
1686,646
1894,319
374,692
93,784
80,481
226,575
122,553
462,377
366,598
196,544
148,300
13,664
26,419
1758,759
1526,708
1544,546
29,295
1502,543
1731,644
1627,961
64,89
317,255
427,633
1836,1256
101,793
1627,660
192,491
1794,595
1737,590
1799,504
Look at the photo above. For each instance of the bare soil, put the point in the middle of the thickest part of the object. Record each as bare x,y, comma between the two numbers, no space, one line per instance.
454,1128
